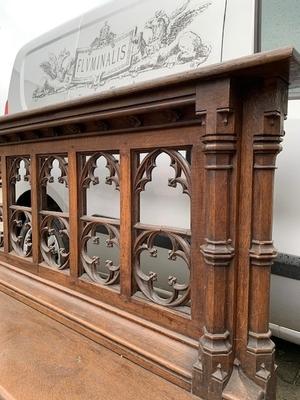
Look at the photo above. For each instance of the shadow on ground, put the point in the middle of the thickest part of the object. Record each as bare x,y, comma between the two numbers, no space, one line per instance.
288,372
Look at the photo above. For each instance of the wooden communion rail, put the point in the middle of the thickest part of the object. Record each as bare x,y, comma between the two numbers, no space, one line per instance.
208,335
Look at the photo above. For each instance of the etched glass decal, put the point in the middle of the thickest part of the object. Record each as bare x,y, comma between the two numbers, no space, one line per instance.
118,50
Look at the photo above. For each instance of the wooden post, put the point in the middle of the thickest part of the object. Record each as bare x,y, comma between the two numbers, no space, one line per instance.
35,208
5,204
73,218
126,222
264,111
219,145
236,362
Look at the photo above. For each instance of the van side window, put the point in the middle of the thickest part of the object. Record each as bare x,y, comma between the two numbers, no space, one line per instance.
280,27
280,24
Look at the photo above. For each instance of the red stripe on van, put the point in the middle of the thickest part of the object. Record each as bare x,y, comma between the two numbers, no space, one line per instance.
6,108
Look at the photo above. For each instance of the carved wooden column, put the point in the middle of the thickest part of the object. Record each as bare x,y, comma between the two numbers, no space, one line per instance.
238,360
267,134
215,105
254,367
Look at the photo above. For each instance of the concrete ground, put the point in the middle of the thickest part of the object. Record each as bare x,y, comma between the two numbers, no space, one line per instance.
288,372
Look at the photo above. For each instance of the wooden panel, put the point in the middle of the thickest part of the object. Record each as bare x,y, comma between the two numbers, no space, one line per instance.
128,218
5,203
35,201
73,207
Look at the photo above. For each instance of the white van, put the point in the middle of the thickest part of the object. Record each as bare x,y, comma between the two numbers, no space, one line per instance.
131,41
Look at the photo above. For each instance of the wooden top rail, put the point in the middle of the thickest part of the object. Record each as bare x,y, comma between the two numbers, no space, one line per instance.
183,292
123,101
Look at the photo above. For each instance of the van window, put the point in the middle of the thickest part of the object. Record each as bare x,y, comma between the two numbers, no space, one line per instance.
280,24
280,27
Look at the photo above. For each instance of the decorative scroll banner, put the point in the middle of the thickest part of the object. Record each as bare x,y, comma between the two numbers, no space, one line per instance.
93,64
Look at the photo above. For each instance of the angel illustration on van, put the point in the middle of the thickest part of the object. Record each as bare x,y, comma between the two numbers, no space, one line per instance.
105,38
59,71
170,43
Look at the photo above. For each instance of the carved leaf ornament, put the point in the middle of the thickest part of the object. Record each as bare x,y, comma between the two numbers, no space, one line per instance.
91,264
14,170
21,232
180,165
88,173
180,248
47,166
55,241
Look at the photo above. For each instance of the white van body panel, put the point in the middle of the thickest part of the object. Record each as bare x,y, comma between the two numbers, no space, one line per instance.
284,310
286,230
127,42
239,29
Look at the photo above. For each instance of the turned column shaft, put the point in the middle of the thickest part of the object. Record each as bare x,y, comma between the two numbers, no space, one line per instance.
264,114
215,105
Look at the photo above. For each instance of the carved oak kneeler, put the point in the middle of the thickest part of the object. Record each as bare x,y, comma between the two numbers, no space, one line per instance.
209,335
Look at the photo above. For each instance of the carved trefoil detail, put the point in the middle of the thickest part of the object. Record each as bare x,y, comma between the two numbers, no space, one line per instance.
54,221
100,236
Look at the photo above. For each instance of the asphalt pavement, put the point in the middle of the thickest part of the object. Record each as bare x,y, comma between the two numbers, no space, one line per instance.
288,372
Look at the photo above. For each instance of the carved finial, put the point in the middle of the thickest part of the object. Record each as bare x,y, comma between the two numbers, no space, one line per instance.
263,373
153,252
109,264
152,276
95,240
172,280
109,243
220,374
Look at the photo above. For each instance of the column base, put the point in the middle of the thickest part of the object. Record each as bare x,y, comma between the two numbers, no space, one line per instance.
260,366
240,387
211,371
